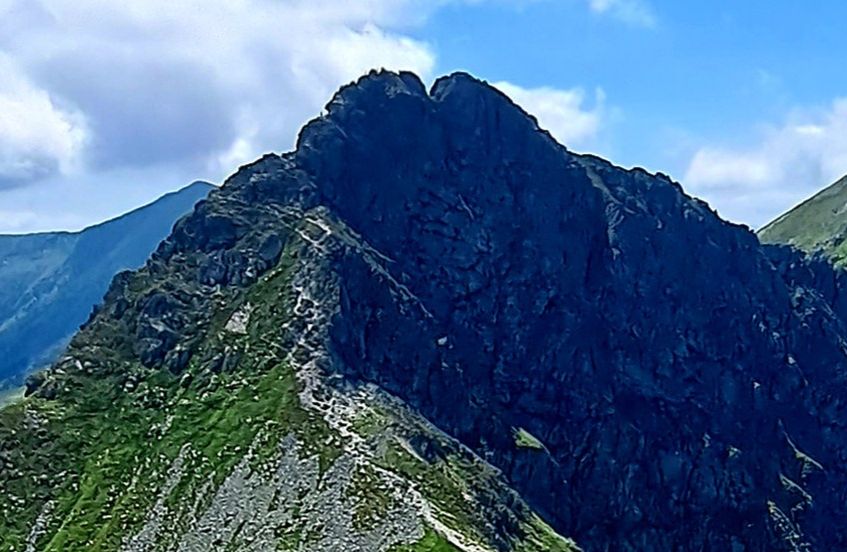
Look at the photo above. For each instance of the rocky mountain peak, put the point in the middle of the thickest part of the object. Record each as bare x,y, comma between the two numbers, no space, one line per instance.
646,375
614,318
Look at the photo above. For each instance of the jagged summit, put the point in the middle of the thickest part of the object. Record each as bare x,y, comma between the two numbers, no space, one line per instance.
388,84
400,91
392,114
429,285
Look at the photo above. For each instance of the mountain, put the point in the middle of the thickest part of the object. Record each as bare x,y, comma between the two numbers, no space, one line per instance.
817,224
49,282
431,327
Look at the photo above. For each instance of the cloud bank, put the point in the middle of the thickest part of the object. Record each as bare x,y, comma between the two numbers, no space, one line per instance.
37,137
144,82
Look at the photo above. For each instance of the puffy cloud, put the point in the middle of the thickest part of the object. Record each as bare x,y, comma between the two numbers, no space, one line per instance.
108,104
789,162
634,12
195,81
562,112
37,137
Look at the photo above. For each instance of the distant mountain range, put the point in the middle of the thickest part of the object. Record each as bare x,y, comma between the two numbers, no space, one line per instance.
49,282
819,224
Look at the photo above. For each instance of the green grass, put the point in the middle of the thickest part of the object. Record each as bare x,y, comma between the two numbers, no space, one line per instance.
374,502
100,454
97,453
370,422
540,537
99,505
431,542
442,483
819,223
448,482
525,439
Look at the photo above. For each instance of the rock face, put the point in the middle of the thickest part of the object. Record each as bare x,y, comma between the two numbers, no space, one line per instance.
819,224
646,375
50,282
671,366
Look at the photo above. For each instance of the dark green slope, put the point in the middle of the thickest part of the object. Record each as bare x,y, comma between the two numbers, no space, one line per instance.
49,282
817,224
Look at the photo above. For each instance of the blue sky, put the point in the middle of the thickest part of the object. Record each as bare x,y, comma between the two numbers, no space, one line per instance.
106,105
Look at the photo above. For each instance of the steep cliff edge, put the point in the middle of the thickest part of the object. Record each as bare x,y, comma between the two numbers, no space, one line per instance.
645,375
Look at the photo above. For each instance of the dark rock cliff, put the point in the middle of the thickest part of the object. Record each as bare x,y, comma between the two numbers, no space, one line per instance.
685,383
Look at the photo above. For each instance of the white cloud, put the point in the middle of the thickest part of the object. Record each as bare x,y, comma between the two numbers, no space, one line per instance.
562,112
194,81
150,94
37,138
788,162
634,12
716,169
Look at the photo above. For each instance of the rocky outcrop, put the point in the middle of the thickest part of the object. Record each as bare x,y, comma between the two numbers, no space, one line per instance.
670,364
253,442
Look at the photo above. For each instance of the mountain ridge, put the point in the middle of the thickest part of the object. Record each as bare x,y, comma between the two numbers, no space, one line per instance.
645,375
52,281
195,185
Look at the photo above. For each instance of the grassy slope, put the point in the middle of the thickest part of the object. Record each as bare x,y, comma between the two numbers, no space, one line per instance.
90,447
819,223
96,458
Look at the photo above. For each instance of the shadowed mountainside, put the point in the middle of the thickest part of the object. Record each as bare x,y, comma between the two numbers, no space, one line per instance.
49,282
